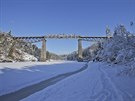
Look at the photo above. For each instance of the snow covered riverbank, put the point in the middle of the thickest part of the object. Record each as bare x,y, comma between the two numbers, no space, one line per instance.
14,76
100,82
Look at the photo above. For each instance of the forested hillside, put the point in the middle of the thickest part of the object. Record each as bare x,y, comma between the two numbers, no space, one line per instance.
18,50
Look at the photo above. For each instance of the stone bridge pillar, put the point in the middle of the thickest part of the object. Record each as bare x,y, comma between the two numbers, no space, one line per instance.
80,48
43,51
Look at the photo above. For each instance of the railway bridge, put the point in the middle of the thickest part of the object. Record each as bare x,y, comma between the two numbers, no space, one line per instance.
43,39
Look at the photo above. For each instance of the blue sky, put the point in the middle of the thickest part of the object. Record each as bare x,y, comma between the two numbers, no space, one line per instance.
83,17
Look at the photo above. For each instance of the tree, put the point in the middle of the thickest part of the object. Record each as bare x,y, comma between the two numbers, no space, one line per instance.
108,32
48,55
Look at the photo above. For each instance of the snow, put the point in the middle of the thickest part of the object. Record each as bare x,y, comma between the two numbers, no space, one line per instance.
25,56
14,76
99,82
28,57
120,49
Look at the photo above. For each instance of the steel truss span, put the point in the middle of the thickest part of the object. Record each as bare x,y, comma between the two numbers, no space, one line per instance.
34,39
43,39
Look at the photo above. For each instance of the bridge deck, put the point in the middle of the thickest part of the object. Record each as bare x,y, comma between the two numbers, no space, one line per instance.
61,36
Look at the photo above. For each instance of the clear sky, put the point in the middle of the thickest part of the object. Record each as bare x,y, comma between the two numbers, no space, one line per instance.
83,17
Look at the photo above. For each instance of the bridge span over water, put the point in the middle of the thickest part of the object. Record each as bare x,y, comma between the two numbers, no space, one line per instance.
43,39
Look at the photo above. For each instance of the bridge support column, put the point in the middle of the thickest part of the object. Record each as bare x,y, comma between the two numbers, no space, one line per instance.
80,48
43,51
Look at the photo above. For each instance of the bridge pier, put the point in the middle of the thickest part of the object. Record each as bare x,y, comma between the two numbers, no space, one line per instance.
43,51
80,48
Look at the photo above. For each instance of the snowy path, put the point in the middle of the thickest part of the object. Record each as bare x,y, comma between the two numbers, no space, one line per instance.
92,84
109,92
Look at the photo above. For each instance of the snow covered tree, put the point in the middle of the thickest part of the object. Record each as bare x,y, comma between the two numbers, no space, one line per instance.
120,48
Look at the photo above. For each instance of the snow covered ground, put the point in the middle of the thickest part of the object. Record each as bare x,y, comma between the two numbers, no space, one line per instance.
99,82
14,76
